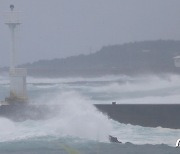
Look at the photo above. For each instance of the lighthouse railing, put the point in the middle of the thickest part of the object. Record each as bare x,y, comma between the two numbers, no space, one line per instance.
12,17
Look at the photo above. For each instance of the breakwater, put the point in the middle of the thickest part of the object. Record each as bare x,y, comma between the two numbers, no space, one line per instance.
146,115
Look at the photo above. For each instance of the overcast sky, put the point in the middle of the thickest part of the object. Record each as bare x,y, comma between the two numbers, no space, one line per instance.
60,28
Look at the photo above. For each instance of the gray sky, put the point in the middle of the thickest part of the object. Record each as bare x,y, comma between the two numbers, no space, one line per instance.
60,28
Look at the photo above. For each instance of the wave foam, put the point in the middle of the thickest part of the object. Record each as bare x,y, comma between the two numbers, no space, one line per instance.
76,118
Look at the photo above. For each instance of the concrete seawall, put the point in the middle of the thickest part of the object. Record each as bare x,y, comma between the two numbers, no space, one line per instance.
147,115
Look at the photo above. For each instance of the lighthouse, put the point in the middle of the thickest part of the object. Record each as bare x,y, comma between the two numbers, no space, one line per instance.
18,92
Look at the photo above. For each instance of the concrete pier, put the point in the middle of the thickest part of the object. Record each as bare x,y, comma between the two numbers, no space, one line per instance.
146,115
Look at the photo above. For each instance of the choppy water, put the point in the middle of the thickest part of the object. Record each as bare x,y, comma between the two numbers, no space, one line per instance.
79,125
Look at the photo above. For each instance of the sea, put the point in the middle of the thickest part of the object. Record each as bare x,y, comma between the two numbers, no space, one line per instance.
79,127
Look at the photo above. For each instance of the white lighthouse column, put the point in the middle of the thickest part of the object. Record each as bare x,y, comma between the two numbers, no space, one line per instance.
12,58
18,91
13,47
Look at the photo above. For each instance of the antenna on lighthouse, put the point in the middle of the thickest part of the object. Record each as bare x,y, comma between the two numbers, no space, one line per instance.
17,75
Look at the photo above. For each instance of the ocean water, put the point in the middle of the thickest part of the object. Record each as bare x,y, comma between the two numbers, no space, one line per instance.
79,127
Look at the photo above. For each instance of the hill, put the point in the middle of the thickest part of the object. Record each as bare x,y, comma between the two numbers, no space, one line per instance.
129,58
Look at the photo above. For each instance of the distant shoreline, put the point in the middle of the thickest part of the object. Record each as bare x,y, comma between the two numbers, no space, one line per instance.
146,57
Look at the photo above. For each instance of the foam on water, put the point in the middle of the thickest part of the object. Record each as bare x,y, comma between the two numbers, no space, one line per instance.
77,79
144,89
77,117
145,135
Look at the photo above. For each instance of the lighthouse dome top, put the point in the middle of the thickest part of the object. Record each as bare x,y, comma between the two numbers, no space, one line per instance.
12,7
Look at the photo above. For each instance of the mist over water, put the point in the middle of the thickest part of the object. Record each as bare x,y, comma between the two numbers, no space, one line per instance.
77,118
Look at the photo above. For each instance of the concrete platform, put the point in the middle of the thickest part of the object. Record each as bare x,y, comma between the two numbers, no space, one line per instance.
146,115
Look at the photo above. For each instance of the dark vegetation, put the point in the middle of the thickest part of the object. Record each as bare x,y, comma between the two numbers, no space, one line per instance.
131,59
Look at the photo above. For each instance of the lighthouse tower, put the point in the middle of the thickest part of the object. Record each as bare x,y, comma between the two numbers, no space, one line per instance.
18,93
